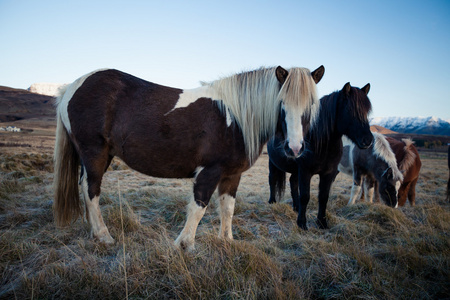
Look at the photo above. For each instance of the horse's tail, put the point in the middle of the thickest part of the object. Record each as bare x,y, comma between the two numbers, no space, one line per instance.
277,181
280,186
67,205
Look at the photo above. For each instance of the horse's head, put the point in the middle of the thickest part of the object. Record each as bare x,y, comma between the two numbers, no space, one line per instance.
282,132
353,108
388,187
299,105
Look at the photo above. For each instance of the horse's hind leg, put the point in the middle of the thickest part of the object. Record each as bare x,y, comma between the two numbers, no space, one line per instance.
412,192
90,184
376,191
204,186
227,198
324,192
305,189
293,182
402,193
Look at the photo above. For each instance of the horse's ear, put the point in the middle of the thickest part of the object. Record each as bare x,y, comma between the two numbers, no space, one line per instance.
281,74
346,88
317,74
366,88
389,174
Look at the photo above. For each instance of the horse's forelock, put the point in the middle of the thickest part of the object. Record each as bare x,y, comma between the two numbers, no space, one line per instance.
299,93
361,105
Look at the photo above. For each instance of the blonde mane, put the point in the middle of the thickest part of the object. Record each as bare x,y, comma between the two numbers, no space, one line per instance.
382,149
253,99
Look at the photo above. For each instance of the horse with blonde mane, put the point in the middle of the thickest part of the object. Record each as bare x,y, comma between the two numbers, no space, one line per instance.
212,134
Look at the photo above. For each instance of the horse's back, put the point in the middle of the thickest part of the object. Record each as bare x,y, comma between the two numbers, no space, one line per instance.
139,121
407,156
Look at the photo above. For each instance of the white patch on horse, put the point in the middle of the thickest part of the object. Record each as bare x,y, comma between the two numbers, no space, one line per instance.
226,211
65,95
186,238
190,96
94,214
197,171
294,130
229,119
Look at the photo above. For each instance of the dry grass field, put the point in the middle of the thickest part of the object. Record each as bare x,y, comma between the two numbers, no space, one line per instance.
370,251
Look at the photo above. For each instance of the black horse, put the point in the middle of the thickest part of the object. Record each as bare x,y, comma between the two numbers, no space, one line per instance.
344,112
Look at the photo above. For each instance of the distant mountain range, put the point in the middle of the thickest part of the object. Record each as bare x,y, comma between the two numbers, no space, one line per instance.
48,89
17,104
416,125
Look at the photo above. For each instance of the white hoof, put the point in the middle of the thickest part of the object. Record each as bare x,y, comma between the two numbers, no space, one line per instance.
185,245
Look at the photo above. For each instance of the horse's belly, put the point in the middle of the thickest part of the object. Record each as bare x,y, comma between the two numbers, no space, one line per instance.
159,163
162,170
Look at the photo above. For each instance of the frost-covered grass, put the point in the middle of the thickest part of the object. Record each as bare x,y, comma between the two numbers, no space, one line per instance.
370,250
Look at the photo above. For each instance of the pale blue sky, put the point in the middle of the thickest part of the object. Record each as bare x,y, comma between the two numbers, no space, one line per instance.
401,47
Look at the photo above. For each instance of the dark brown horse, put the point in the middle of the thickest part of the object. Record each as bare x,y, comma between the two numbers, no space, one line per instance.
408,162
212,134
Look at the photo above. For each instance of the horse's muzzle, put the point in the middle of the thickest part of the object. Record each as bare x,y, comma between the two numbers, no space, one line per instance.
365,142
290,153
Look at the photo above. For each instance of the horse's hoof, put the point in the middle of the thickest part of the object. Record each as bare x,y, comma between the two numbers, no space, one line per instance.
302,226
322,224
271,201
106,239
184,245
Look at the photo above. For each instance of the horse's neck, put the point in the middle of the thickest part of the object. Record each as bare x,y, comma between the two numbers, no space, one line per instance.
380,167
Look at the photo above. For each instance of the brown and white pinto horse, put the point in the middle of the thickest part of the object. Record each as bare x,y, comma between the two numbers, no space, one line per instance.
373,170
408,162
212,134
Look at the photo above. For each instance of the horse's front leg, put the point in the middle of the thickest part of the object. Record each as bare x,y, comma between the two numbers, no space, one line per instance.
227,198
368,185
324,192
356,188
304,181
204,186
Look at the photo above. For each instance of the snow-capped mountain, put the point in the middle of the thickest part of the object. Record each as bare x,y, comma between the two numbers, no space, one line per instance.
418,125
49,89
